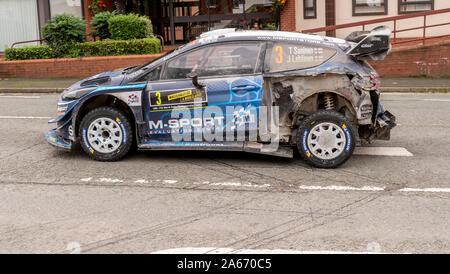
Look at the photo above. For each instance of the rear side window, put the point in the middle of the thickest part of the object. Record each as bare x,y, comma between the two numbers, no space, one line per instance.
286,56
215,60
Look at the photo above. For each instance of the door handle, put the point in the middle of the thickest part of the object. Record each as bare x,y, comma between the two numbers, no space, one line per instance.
243,87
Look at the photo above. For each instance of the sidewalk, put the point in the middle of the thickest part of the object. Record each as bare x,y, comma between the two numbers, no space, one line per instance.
415,84
16,85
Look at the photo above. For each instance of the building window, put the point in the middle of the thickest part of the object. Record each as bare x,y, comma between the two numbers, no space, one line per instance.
66,6
409,6
369,7
309,9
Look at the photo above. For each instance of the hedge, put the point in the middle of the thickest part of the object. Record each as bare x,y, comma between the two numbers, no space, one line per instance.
129,26
89,49
29,52
100,26
62,31
119,47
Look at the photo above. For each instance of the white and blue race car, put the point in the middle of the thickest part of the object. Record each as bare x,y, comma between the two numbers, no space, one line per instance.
258,91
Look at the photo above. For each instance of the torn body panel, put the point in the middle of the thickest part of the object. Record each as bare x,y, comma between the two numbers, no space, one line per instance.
298,97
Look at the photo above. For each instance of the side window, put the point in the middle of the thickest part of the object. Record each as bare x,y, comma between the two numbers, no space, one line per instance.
153,75
285,56
182,65
217,60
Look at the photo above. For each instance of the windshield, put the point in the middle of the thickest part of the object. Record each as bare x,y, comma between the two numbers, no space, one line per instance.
149,62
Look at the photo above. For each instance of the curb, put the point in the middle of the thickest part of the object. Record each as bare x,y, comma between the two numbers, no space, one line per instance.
382,89
31,90
416,89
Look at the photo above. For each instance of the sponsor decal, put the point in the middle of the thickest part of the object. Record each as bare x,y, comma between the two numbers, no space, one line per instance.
133,98
166,100
349,138
124,133
86,142
70,130
366,46
305,147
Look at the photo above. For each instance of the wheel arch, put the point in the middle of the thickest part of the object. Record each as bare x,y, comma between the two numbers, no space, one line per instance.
312,102
101,100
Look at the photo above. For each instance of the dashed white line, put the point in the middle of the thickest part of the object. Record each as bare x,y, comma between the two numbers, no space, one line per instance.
20,96
437,100
383,151
24,117
251,185
342,188
432,189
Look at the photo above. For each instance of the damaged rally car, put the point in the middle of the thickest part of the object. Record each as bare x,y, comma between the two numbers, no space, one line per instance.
320,92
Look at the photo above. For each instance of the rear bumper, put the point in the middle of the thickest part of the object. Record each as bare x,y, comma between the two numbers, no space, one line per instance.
57,141
385,122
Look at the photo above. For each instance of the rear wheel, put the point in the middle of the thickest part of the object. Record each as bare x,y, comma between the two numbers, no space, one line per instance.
106,134
326,139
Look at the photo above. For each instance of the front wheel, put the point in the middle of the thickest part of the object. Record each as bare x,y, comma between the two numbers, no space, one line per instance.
106,134
326,139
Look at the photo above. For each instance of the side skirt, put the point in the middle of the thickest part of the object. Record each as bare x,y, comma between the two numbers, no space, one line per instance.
252,147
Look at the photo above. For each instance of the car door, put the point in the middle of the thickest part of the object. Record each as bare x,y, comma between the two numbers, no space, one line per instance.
225,100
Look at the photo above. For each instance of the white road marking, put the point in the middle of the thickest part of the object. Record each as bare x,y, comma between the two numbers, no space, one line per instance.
212,250
247,184
437,100
20,96
236,184
24,117
342,188
432,189
383,151
110,180
141,181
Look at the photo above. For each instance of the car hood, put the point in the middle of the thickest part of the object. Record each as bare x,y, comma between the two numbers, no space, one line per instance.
109,78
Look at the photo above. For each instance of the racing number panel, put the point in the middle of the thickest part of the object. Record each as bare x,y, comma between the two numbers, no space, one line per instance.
170,99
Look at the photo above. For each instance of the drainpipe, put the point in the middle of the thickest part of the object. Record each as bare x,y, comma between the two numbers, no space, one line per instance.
172,23
209,14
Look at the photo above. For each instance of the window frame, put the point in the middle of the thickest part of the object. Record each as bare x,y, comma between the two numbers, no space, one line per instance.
401,4
314,7
258,66
354,13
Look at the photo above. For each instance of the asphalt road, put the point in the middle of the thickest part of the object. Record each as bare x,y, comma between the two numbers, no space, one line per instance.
56,202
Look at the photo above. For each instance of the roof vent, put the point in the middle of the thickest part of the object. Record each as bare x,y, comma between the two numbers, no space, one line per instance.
217,32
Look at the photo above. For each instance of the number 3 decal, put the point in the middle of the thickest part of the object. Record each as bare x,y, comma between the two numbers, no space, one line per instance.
158,98
279,50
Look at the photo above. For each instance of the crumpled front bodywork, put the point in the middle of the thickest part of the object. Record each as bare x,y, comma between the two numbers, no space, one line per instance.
353,84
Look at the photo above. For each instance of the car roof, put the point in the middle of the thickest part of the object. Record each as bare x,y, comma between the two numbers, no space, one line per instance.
234,34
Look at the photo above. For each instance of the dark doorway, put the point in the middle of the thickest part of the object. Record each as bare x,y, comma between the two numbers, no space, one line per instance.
180,21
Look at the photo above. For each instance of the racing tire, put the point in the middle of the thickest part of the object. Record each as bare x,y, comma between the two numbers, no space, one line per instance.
106,134
325,139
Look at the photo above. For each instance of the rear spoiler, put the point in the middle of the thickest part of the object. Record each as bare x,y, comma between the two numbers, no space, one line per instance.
370,45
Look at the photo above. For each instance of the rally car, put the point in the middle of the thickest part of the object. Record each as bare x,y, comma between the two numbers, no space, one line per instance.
265,92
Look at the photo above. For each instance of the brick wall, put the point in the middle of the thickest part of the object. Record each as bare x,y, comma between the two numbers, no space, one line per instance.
287,17
69,67
431,60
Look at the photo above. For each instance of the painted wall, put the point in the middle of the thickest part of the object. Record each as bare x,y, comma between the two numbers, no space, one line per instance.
344,16
18,22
